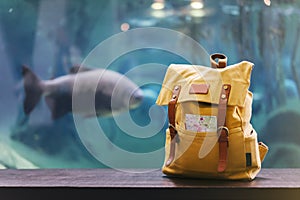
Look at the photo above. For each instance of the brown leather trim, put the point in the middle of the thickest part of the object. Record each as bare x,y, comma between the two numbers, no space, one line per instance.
199,88
171,110
172,126
222,107
222,129
222,60
223,150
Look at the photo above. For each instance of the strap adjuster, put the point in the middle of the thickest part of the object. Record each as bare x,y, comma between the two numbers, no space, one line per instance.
172,126
223,135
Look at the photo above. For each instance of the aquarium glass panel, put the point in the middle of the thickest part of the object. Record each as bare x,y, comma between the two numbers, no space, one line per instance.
79,78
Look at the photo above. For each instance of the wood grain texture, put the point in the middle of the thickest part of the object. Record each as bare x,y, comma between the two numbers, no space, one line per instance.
136,184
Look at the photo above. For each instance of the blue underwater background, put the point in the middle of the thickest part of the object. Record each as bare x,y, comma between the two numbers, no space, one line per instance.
50,36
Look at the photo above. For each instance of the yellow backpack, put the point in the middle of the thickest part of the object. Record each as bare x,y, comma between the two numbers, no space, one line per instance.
209,112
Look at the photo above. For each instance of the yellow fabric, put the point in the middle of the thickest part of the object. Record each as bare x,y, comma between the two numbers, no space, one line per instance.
236,75
197,153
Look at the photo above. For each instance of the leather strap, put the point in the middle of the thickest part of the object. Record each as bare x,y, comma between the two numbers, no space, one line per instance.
222,129
218,60
171,111
172,128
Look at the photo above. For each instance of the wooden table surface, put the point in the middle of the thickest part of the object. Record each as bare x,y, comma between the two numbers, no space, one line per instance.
139,184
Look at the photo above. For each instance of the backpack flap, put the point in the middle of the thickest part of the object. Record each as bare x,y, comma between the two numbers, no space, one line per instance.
204,84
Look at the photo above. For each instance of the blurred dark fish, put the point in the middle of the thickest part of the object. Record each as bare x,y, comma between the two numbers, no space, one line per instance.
110,91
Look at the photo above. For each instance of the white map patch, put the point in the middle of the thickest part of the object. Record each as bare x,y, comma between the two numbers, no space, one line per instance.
200,123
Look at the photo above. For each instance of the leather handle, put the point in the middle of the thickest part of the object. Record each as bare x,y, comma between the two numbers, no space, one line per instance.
218,60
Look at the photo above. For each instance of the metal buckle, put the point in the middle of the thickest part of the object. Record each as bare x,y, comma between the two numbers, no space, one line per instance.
223,138
223,127
170,125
